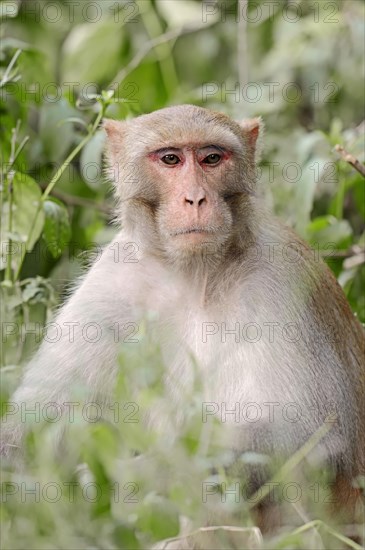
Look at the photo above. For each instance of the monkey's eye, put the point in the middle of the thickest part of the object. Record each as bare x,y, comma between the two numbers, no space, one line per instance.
213,158
170,159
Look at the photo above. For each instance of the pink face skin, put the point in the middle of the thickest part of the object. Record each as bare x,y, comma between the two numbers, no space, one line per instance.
192,178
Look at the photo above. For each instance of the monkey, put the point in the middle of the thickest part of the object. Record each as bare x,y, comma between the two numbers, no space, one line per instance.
228,284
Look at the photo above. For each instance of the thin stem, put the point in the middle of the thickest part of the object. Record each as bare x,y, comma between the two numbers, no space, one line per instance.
63,167
9,178
317,523
163,51
57,176
16,154
21,147
6,75
8,272
242,57
290,464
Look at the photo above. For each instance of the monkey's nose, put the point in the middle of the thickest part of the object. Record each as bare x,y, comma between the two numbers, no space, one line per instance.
198,201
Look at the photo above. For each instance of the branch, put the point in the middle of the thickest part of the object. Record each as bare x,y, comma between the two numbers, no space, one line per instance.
352,257
150,45
72,200
352,251
355,163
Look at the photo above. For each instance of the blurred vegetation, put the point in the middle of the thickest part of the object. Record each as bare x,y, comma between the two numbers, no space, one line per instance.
65,65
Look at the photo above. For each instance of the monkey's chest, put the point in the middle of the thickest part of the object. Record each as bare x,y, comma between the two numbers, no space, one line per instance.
213,354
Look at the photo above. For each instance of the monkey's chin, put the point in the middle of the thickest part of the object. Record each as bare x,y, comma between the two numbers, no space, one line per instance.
194,240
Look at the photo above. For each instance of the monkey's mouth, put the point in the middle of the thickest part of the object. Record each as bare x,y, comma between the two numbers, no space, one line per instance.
191,230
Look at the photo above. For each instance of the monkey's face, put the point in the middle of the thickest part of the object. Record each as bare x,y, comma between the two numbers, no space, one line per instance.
195,191
184,176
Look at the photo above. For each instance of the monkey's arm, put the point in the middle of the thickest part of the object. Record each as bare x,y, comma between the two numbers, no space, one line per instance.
78,357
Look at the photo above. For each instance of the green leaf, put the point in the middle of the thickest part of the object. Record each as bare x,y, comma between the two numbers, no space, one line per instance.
327,229
57,230
27,224
125,537
159,517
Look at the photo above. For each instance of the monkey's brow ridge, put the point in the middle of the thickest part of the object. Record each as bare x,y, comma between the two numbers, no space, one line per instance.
200,146
166,149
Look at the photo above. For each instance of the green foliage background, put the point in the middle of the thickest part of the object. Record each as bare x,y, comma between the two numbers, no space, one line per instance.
303,73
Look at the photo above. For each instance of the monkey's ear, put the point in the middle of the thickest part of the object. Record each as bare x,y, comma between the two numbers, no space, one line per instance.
253,128
115,130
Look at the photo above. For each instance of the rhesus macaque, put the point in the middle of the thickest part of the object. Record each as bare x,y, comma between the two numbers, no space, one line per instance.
263,317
